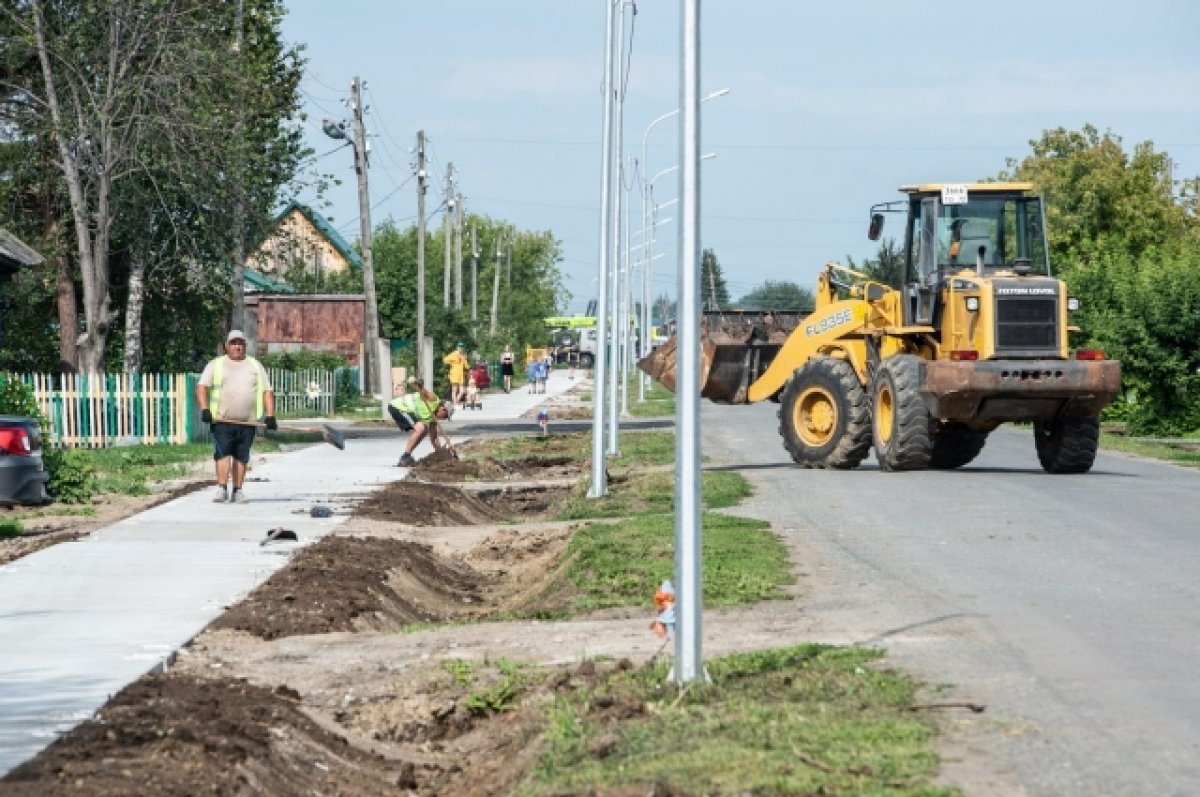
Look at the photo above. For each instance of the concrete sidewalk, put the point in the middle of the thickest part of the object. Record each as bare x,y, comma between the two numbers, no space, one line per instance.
81,620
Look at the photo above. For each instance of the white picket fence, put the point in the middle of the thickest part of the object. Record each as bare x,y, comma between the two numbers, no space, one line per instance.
98,410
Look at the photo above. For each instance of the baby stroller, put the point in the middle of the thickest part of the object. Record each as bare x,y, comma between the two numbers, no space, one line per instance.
471,396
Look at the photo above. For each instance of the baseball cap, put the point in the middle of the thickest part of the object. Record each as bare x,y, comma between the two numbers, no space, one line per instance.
235,334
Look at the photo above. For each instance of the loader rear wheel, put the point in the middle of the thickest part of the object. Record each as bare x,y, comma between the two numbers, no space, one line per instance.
954,445
824,415
903,428
1067,444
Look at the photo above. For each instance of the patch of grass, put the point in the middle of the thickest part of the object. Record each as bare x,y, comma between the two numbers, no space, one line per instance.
1180,453
131,470
809,719
743,562
499,694
11,527
654,493
638,448
643,449
659,402
461,670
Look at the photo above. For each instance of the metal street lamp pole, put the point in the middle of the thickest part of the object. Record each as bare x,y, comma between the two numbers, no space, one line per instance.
614,427
689,660
645,340
599,486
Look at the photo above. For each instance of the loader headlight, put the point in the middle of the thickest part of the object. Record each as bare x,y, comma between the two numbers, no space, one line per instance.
1072,304
973,303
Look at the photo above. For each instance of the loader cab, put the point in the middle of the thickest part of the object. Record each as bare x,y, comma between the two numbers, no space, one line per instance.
985,228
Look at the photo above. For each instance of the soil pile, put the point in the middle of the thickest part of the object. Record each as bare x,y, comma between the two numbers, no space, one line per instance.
420,504
443,467
352,584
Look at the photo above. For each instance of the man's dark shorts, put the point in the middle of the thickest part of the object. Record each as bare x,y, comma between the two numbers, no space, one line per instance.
232,440
405,420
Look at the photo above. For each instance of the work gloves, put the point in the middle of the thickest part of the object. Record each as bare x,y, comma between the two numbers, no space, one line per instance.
271,422
206,416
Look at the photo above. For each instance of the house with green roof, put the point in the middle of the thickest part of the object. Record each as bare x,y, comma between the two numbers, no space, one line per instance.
15,254
300,237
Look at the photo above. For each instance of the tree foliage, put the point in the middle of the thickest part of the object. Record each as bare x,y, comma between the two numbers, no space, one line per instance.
886,267
1131,253
160,126
533,292
713,290
778,295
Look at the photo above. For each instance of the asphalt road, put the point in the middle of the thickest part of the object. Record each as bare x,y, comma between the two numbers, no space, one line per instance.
1069,605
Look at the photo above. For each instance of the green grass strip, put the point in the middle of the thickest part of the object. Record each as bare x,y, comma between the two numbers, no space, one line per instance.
808,719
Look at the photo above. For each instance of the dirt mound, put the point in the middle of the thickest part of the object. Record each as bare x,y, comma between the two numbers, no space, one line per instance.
383,584
420,504
171,735
442,467
461,731
347,584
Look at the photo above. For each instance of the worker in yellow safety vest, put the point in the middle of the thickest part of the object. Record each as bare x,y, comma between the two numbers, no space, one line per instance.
234,392
419,412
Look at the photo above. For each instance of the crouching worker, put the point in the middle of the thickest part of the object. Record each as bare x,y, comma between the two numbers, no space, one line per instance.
418,413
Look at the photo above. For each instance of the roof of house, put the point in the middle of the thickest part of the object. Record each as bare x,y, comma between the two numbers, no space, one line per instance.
14,253
258,282
326,229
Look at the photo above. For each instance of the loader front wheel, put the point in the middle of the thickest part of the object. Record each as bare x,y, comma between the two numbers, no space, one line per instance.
903,428
1068,444
954,445
824,416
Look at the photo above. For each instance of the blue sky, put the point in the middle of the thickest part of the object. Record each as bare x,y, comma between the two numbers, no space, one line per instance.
830,109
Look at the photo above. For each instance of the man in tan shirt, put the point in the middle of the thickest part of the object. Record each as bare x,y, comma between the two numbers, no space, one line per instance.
234,392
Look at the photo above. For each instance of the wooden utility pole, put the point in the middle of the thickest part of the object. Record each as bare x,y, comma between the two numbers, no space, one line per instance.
237,317
371,344
474,277
421,255
458,224
512,239
447,223
496,282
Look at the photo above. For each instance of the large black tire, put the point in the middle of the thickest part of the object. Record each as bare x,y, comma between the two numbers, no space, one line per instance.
1068,444
586,360
954,445
902,427
825,416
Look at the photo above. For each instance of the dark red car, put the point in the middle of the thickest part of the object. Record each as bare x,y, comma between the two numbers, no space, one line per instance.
480,372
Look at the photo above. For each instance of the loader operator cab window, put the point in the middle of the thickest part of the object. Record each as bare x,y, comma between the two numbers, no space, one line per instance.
990,234
985,234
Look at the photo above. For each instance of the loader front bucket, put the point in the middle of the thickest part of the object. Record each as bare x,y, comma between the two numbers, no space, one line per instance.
735,348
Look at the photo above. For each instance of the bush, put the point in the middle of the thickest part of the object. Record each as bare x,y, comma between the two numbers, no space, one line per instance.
72,477
304,360
345,392
16,398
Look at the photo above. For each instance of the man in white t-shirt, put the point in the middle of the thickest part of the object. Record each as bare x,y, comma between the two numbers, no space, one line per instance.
234,392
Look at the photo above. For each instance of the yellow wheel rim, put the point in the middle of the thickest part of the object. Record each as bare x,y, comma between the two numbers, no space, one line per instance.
815,417
885,414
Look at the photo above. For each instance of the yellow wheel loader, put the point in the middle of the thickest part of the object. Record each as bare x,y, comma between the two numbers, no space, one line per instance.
976,336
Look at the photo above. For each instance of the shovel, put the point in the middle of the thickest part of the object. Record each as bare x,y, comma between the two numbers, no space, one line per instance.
328,433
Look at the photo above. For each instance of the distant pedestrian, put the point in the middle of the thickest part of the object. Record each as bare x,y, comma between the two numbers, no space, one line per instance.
458,364
540,377
506,367
234,392
531,374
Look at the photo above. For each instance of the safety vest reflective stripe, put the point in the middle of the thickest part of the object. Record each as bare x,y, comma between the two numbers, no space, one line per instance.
214,393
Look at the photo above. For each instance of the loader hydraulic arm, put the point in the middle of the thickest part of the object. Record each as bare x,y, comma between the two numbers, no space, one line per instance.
831,322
